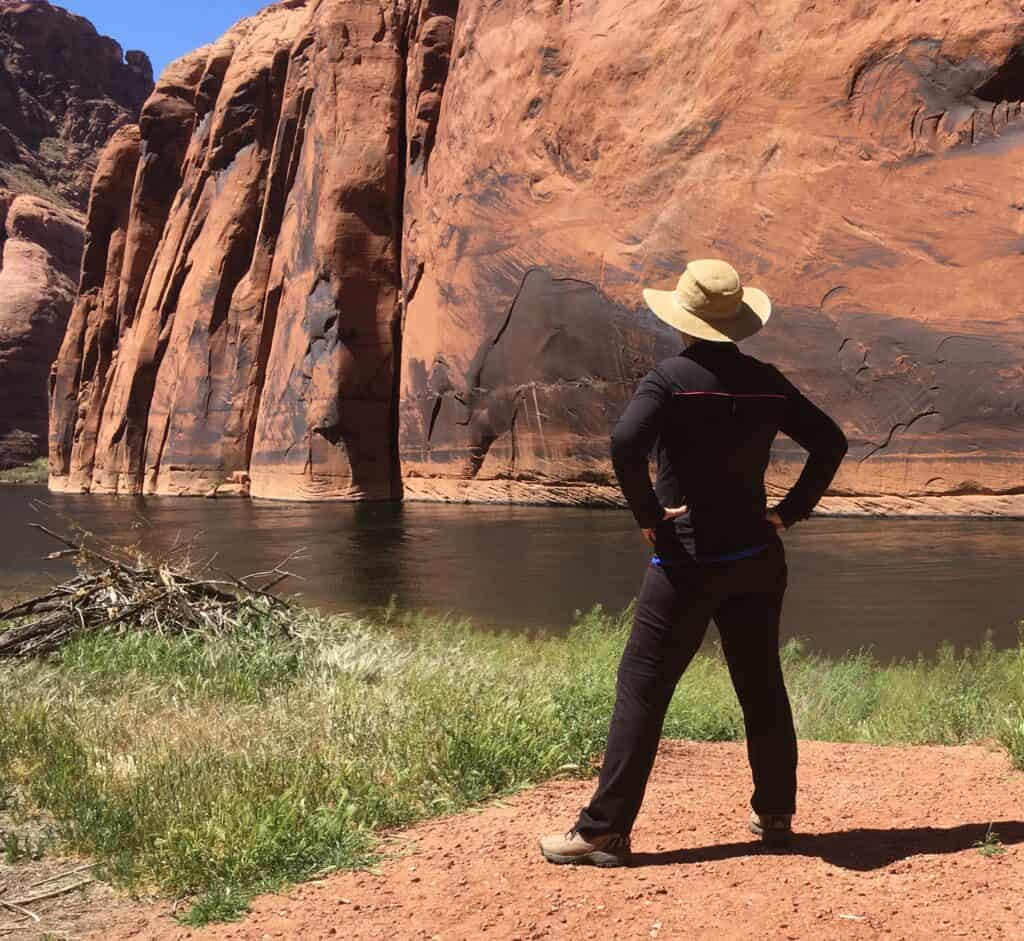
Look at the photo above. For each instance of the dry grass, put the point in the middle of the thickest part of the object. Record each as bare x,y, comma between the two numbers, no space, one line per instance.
217,767
38,472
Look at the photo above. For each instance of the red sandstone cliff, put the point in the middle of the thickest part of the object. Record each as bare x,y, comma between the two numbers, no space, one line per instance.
64,90
374,245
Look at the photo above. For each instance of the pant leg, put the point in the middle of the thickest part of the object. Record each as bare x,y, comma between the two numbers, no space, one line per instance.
671,618
748,621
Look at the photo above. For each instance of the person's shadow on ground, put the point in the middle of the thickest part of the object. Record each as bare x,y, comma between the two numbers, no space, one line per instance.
862,849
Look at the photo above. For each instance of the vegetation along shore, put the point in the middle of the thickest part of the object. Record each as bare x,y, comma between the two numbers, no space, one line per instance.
37,473
215,767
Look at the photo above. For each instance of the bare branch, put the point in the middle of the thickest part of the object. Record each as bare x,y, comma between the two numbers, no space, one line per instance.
165,595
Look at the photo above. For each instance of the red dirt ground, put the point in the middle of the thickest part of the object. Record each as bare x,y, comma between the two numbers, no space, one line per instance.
888,851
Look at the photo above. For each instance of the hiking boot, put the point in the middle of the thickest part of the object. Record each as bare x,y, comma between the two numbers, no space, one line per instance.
609,850
774,829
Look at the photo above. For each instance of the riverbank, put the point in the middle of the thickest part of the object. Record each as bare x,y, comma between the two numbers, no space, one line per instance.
871,505
507,492
215,769
35,474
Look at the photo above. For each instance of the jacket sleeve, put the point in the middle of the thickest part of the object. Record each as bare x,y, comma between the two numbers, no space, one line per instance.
826,445
633,439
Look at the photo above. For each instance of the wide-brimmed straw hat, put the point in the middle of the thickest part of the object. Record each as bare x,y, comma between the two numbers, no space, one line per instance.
711,303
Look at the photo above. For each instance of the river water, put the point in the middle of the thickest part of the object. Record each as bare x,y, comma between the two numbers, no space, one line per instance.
898,587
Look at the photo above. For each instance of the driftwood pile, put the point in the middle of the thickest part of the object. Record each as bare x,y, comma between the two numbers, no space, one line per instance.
117,591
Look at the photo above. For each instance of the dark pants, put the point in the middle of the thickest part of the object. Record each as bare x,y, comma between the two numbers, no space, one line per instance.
675,605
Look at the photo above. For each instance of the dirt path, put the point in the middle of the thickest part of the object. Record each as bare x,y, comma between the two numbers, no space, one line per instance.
54,898
889,853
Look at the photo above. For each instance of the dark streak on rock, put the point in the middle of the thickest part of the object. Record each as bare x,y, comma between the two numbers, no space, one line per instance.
899,426
438,402
828,295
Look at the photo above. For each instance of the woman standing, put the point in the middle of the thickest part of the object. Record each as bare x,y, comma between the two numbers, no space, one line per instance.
712,414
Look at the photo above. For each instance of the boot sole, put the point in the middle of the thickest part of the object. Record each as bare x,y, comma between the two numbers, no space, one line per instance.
596,858
773,838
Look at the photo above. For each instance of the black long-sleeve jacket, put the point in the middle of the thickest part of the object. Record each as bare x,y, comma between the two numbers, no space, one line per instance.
713,412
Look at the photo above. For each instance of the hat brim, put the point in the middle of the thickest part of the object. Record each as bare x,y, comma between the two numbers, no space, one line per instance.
755,312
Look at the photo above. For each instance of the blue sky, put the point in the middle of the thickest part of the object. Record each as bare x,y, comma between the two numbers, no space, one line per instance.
165,29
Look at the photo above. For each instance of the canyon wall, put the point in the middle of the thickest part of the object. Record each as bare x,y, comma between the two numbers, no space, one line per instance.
64,90
356,249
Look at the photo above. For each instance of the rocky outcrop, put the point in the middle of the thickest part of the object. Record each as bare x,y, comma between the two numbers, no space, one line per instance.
826,151
251,288
64,90
40,248
374,247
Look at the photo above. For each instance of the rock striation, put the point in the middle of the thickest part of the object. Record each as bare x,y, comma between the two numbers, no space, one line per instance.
241,285
357,249
64,90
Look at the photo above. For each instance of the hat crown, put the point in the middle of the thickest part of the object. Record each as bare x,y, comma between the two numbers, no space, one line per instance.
710,303
711,289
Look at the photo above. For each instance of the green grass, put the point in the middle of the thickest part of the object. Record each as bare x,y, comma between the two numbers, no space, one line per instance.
221,768
991,845
20,180
38,472
16,847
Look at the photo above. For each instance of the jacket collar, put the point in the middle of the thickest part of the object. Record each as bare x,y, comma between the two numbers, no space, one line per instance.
706,349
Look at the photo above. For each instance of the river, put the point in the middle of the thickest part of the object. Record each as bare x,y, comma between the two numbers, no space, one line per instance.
897,587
